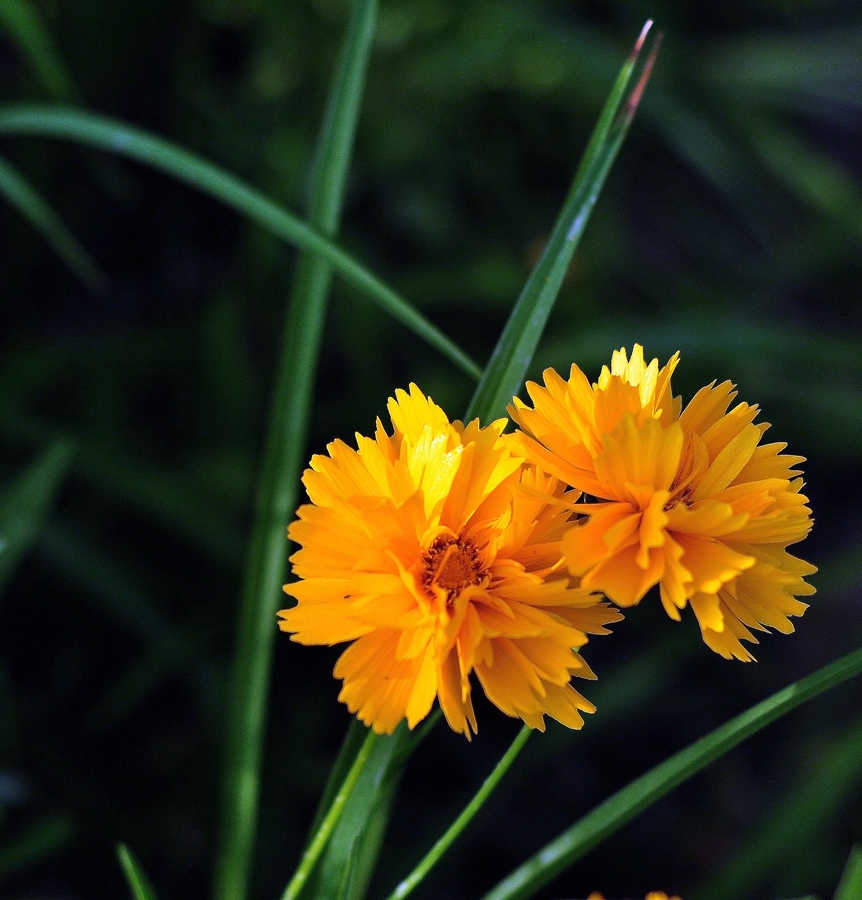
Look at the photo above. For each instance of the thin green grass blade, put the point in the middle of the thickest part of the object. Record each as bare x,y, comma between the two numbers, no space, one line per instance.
414,879
23,196
35,843
278,488
24,505
850,886
132,143
514,351
135,875
20,21
623,806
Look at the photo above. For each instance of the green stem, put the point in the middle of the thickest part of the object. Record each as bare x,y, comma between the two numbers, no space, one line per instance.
455,829
283,456
330,820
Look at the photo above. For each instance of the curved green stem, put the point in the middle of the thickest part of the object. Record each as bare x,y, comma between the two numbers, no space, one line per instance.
470,810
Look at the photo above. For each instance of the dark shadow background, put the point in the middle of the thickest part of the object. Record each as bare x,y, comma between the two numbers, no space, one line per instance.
730,229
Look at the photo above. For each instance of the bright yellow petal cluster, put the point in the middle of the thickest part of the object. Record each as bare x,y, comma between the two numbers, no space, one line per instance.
689,500
436,552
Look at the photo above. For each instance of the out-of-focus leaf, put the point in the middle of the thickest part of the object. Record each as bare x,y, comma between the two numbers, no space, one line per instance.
24,504
35,843
23,196
796,822
120,593
21,22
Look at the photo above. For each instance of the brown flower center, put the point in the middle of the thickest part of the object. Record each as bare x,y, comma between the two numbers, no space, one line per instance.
452,564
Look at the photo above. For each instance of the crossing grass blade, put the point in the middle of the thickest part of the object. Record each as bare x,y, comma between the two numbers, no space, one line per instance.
119,139
623,806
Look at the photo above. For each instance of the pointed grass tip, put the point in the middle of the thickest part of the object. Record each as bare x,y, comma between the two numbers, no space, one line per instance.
635,97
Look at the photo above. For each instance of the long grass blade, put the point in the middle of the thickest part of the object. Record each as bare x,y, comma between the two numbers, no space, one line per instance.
282,463
132,143
514,351
623,806
24,197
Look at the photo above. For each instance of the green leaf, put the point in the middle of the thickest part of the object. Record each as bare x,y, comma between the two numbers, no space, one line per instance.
21,22
850,886
24,505
135,875
505,373
21,194
623,806
124,140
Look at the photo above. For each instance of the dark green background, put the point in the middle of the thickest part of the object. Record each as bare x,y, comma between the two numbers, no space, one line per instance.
730,229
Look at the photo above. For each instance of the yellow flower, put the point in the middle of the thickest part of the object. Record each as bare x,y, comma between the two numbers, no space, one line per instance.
436,552
686,499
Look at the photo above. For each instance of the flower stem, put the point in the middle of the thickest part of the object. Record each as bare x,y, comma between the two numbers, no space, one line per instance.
455,829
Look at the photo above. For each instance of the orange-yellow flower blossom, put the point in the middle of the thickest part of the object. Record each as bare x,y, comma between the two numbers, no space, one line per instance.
688,499
436,553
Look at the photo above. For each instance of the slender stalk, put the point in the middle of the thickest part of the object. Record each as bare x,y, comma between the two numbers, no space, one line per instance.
469,811
283,455
330,820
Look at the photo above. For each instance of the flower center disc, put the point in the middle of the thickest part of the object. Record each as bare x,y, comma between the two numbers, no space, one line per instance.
452,564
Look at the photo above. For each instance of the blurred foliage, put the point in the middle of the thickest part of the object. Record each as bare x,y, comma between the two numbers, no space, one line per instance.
730,229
